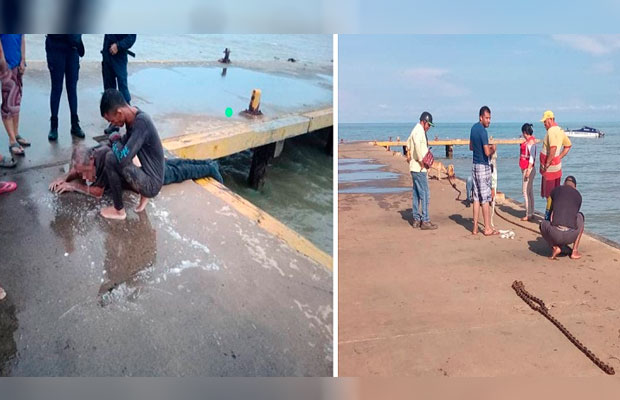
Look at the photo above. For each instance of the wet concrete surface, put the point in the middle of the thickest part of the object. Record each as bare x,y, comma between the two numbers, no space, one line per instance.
187,288
180,99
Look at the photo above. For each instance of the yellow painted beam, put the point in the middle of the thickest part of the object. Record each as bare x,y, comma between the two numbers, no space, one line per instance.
267,222
238,137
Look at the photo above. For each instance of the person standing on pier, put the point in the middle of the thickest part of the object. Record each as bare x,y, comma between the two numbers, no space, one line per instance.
63,54
141,139
551,157
417,147
114,66
527,161
481,170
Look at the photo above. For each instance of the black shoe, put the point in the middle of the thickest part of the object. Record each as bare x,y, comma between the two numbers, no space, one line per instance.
53,134
416,223
428,226
111,129
76,130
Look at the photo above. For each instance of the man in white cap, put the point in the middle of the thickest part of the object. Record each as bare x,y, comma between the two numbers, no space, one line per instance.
550,156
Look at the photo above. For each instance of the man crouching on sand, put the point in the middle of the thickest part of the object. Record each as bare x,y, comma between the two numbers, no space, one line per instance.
142,140
566,225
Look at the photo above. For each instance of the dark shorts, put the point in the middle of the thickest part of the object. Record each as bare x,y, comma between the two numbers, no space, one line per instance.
546,186
556,236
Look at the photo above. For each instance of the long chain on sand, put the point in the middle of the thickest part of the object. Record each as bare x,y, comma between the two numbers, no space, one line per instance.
538,305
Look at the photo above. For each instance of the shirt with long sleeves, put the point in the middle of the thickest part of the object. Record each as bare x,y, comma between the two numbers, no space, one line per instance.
418,146
142,140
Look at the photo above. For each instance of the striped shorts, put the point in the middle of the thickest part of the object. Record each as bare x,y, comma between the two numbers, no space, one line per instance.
11,92
482,183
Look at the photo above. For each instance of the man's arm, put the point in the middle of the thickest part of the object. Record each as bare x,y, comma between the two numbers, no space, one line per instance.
68,177
126,149
564,152
79,187
489,149
3,64
126,42
550,156
22,62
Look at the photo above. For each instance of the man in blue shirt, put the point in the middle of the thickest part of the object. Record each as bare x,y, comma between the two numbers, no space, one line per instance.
481,170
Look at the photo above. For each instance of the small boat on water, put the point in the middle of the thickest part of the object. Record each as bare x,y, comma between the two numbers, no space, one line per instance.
585,132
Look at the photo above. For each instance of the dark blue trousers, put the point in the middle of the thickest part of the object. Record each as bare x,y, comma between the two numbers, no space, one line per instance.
179,169
63,61
114,72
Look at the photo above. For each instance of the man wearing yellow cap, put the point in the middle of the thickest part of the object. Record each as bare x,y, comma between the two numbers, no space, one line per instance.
550,156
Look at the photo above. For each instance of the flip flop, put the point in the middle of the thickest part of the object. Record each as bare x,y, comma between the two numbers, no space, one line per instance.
22,141
16,149
4,163
6,187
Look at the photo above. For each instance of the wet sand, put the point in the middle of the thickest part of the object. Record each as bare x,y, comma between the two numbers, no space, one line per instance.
440,303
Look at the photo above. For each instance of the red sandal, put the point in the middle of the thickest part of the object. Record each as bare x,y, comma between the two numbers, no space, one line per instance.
6,187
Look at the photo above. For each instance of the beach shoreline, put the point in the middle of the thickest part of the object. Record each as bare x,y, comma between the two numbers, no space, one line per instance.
440,303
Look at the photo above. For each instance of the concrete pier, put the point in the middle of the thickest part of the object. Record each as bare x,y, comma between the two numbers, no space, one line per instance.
191,287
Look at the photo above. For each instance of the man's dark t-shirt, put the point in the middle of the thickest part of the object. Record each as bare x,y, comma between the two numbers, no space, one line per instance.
566,202
99,153
142,140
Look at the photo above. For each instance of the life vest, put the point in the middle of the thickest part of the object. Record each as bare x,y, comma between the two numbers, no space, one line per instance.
524,157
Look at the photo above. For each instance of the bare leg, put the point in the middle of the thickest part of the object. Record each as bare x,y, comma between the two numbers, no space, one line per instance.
555,250
112,213
575,255
474,231
10,129
142,204
486,214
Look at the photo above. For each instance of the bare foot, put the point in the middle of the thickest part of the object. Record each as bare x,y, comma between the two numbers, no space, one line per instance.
555,252
142,204
113,213
474,232
491,232
525,218
575,255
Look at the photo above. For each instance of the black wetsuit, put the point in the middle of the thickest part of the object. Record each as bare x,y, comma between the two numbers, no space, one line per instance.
142,140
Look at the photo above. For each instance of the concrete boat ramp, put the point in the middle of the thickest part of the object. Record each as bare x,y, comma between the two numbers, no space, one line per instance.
191,287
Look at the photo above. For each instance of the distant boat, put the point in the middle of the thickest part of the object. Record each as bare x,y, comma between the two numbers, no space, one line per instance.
585,132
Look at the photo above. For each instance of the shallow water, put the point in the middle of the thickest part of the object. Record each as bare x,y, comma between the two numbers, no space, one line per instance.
196,90
298,188
591,161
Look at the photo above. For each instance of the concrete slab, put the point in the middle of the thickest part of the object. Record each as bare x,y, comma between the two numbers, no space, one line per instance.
190,287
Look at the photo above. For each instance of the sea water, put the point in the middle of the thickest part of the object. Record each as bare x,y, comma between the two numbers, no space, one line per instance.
591,161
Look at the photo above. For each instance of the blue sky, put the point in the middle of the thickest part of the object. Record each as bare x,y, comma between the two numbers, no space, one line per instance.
392,78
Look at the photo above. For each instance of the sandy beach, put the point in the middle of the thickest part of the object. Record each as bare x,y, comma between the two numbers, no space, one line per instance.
440,303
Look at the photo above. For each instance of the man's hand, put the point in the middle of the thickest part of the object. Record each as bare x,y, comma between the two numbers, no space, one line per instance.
22,67
55,184
113,49
64,187
115,137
